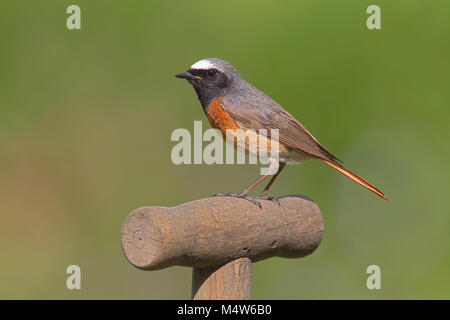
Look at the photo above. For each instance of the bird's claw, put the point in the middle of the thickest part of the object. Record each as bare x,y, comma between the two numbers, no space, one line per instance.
266,197
240,195
275,199
253,199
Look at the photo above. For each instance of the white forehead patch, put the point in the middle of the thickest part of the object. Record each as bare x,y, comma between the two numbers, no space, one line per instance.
202,64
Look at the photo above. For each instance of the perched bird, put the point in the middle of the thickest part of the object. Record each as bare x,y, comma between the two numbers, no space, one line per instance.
230,102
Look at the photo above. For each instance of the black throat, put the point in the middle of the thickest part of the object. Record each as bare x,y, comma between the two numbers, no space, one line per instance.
206,96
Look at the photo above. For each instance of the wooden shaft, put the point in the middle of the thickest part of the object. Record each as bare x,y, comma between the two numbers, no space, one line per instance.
214,231
231,281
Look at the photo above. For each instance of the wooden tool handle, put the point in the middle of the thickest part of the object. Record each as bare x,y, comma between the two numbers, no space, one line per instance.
214,231
231,281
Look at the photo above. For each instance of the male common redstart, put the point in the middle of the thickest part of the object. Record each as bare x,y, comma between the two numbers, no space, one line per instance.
230,102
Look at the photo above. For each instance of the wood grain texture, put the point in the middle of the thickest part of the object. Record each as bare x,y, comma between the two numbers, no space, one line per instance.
231,281
214,231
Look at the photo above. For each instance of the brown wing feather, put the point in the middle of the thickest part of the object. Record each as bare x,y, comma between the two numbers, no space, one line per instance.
261,112
267,114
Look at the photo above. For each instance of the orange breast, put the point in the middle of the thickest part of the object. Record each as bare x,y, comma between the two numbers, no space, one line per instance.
219,118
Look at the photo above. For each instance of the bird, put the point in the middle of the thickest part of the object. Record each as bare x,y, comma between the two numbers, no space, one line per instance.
232,103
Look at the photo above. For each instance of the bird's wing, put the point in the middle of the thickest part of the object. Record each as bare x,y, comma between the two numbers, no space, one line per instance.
258,113
263,113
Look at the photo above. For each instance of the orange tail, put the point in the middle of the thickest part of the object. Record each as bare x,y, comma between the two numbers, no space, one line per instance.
356,178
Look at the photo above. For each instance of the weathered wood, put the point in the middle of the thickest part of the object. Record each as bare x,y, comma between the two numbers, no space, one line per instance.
231,281
214,231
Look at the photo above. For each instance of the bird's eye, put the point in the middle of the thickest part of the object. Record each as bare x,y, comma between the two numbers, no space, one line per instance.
212,72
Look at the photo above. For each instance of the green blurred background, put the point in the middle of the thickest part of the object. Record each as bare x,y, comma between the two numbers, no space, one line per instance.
86,118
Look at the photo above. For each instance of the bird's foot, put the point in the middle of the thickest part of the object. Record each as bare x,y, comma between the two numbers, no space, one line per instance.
264,196
252,199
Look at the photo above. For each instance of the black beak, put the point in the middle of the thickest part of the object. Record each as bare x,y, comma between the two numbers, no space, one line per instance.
188,76
184,75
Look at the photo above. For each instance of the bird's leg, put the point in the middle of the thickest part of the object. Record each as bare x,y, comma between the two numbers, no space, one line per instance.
263,195
244,193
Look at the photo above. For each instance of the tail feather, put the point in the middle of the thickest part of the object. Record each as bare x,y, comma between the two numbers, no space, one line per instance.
356,178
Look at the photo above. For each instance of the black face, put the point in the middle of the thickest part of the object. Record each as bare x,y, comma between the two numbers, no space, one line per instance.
208,83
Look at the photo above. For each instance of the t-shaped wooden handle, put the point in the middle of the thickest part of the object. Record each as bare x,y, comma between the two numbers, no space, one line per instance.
212,232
